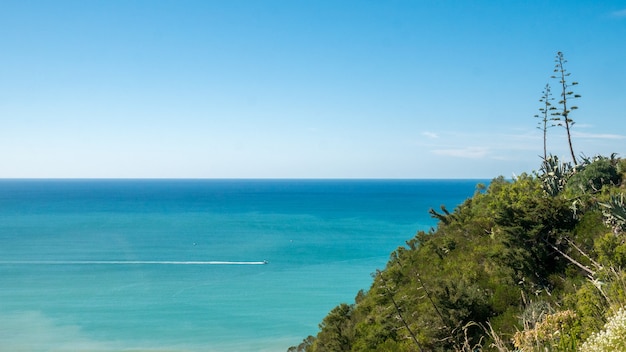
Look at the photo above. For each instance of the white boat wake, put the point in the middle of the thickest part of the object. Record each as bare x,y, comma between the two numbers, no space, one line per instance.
128,262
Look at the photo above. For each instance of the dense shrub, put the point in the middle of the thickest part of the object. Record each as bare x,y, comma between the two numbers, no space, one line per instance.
612,338
593,176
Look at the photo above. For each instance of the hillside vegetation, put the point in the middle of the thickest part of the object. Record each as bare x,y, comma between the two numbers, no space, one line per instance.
531,264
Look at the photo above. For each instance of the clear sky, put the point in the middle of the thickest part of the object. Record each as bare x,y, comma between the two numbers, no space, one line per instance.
301,89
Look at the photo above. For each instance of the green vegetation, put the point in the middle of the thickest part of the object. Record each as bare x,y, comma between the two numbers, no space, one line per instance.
530,264
611,338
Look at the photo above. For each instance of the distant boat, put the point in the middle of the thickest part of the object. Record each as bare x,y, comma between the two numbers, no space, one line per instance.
265,262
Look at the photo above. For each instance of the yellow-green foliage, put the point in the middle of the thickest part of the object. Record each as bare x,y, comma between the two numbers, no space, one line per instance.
611,250
612,338
590,306
554,332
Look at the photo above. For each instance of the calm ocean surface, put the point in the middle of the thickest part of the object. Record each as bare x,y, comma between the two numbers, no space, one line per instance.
173,265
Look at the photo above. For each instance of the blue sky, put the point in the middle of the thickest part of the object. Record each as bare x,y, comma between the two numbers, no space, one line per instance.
301,89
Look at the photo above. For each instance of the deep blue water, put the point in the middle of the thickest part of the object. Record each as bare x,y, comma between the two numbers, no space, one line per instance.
92,264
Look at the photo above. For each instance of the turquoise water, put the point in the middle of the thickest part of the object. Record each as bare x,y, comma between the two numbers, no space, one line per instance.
175,265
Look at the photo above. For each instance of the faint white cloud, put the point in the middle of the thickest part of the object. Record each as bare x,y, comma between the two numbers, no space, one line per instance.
469,152
619,13
430,134
597,135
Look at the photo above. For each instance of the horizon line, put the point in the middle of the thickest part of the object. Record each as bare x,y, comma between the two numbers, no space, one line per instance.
239,178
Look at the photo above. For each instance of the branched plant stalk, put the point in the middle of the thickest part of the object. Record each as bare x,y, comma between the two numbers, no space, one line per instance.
543,124
572,260
428,295
430,299
571,243
561,74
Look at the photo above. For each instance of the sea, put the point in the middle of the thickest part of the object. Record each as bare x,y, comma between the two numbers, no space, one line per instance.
196,265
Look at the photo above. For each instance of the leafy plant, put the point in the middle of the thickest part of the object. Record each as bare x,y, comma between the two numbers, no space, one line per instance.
553,332
614,212
597,172
554,175
611,338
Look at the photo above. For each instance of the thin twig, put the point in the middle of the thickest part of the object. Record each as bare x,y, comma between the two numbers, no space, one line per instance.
397,307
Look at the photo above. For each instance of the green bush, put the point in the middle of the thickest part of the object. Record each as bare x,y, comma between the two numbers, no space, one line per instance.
611,338
591,179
